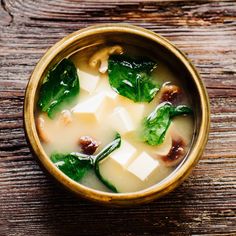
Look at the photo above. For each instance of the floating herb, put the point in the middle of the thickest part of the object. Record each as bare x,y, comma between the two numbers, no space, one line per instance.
75,165
131,78
61,84
157,123
103,154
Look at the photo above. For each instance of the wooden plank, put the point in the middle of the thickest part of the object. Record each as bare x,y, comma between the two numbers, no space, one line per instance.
30,203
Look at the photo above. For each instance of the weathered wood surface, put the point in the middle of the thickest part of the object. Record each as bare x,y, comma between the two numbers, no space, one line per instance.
31,204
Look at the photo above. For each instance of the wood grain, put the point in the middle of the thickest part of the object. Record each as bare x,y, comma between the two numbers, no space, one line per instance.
31,204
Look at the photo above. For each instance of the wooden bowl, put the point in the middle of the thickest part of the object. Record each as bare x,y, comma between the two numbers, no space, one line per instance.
128,34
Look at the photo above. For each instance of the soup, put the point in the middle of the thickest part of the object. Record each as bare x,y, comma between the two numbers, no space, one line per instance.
114,120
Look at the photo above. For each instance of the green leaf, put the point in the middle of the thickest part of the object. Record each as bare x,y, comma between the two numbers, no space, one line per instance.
103,154
157,123
180,110
73,165
131,77
61,84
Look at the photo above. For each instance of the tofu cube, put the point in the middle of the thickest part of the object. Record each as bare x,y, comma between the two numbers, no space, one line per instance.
112,94
143,166
105,87
136,110
123,155
121,121
92,108
88,82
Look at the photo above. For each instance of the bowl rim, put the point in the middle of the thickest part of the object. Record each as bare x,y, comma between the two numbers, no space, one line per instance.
142,196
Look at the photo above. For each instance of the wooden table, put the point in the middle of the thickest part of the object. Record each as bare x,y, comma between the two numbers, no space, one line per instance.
31,204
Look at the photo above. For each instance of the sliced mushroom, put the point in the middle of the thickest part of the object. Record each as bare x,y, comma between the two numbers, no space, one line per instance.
170,93
40,125
100,58
88,145
176,153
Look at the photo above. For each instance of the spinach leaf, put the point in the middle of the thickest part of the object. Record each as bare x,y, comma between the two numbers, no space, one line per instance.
75,165
131,77
157,123
60,85
180,110
104,153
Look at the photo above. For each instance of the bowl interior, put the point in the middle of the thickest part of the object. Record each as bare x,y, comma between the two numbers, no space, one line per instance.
159,48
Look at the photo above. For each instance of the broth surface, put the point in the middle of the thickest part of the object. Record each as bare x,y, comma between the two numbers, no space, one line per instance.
65,130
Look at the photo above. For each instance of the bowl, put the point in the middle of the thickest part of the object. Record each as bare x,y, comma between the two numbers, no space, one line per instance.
136,36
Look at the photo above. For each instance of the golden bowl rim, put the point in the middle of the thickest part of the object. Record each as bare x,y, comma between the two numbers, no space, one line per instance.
120,199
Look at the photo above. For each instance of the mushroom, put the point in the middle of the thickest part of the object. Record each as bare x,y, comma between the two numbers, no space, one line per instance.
88,144
65,117
176,153
100,58
170,93
40,125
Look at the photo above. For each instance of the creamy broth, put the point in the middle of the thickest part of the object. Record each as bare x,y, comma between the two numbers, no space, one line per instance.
63,132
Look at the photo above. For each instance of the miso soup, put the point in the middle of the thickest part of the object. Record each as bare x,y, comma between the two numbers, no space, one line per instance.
114,118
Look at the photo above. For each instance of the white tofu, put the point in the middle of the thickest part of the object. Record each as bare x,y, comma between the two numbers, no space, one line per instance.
121,121
136,110
92,108
105,87
120,177
123,155
112,94
88,82
143,166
